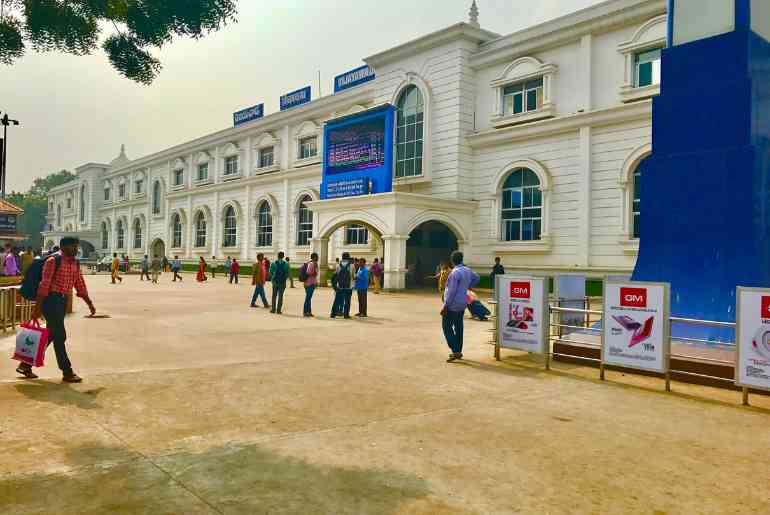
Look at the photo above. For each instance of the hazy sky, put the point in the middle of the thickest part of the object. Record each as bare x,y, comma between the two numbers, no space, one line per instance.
76,110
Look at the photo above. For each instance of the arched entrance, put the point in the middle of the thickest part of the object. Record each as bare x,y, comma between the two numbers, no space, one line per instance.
428,245
158,248
86,249
354,235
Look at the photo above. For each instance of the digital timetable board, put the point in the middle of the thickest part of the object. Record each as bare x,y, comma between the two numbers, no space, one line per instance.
358,154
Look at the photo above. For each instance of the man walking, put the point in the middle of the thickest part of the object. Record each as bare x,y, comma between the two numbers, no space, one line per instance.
279,272
145,268
176,267
455,303
362,287
156,266
115,268
258,277
61,272
235,268
343,279
228,268
308,274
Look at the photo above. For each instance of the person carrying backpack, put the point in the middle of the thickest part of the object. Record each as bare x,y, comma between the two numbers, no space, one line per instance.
279,274
308,274
343,279
59,273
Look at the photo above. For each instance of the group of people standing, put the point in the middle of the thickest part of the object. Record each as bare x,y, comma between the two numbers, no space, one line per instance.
14,261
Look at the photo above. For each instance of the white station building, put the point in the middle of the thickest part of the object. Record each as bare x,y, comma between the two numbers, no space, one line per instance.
525,146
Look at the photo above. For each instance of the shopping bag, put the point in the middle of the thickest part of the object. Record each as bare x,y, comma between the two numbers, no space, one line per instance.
31,342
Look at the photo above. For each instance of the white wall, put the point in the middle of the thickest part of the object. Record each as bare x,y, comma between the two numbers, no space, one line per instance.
760,18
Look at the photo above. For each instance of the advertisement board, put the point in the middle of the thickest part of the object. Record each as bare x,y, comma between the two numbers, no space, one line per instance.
295,98
636,325
8,224
522,313
753,338
248,115
353,78
358,154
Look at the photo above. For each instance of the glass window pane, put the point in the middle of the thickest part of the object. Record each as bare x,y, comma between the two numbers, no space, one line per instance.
527,197
507,199
518,104
531,100
644,72
418,150
410,150
410,132
537,197
418,166
409,168
537,83
529,178
400,169
526,230
515,199
532,213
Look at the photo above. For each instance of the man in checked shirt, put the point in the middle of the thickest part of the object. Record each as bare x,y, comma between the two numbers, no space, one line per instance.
52,293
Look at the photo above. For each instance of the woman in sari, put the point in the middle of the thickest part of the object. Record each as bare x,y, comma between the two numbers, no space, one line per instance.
201,271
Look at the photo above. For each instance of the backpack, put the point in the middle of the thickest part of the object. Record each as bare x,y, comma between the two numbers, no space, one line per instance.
34,276
303,273
280,274
343,277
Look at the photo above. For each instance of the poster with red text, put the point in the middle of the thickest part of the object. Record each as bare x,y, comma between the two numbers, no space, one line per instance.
753,338
522,313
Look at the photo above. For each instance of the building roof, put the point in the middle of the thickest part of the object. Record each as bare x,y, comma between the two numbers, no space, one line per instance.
7,207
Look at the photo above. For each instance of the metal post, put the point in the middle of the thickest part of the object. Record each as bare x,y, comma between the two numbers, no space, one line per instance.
745,396
497,331
601,370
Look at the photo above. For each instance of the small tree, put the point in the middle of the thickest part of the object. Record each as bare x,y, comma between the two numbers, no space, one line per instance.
42,185
75,27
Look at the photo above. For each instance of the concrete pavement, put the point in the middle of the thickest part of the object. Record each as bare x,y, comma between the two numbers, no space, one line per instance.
195,403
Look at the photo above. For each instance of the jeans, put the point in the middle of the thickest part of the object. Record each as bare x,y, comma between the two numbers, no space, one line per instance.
54,308
259,291
341,304
452,324
176,275
278,290
308,309
362,295
233,277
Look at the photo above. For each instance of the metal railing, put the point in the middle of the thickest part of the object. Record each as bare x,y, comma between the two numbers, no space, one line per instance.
14,309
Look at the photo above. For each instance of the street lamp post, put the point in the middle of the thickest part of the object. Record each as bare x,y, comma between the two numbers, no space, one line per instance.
5,121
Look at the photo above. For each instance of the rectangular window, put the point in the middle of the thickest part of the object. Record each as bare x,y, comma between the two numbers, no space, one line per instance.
266,157
203,172
522,97
231,165
648,68
307,148
356,235
178,177
69,203
138,186
121,191
106,194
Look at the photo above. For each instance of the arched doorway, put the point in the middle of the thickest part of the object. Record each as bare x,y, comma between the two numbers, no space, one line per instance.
428,245
86,249
158,248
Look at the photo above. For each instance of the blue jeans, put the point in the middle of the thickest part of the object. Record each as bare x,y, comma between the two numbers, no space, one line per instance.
341,304
259,291
452,323
309,290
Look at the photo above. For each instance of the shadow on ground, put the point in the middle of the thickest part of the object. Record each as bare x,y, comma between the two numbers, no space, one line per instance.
230,479
60,393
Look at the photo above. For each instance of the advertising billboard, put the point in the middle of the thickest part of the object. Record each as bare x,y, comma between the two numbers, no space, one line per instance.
248,115
753,338
522,313
636,325
358,154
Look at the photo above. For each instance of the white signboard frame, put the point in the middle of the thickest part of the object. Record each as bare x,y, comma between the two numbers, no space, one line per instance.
636,322
522,321
751,326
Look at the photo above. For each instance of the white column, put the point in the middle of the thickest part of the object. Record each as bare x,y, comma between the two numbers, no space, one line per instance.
287,212
584,201
190,228
395,261
321,247
586,71
246,224
215,226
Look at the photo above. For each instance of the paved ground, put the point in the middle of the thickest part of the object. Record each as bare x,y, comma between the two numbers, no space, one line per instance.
194,403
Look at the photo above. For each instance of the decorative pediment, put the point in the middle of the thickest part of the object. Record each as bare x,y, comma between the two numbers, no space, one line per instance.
231,149
522,69
307,128
265,139
202,158
651,34
178,164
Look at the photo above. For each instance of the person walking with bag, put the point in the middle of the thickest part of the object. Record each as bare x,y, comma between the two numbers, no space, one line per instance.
460,280
259,273
235,268
61,273
362,288
343,279
156,266
279,273
308,274
376,272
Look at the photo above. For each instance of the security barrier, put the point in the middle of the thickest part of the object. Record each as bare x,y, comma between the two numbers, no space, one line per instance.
14,309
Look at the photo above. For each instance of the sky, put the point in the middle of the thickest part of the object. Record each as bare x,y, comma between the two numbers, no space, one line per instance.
74,110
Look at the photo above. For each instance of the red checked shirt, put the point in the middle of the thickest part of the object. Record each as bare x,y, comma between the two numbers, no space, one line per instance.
68,276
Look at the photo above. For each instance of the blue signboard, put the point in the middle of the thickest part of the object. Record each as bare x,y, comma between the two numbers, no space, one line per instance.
295,98
248,115
358,154
353,78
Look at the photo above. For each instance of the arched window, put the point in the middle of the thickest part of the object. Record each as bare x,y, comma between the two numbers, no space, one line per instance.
522,206
121,233
83,203
105,236
229,235
58,216
176,231
304,222
264,225
637,197
137,234
200,229
409,133
156,198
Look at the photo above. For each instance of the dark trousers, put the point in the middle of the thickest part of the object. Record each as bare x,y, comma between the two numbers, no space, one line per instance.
452,324
259,292
143,274
341,304
233,277
308,309
176,275
278,297
362,297
54,309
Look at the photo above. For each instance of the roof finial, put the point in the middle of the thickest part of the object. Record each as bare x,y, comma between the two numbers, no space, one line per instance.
473,15
123,150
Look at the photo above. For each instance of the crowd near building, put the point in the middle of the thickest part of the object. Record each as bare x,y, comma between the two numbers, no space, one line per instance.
527,146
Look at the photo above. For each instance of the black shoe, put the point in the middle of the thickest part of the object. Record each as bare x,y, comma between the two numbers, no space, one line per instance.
454,357
347,317
26,371
272,311
72,377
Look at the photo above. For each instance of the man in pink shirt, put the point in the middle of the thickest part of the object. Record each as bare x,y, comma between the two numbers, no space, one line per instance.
309,273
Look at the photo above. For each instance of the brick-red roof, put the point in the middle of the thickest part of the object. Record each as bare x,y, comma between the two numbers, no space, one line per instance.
7,207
